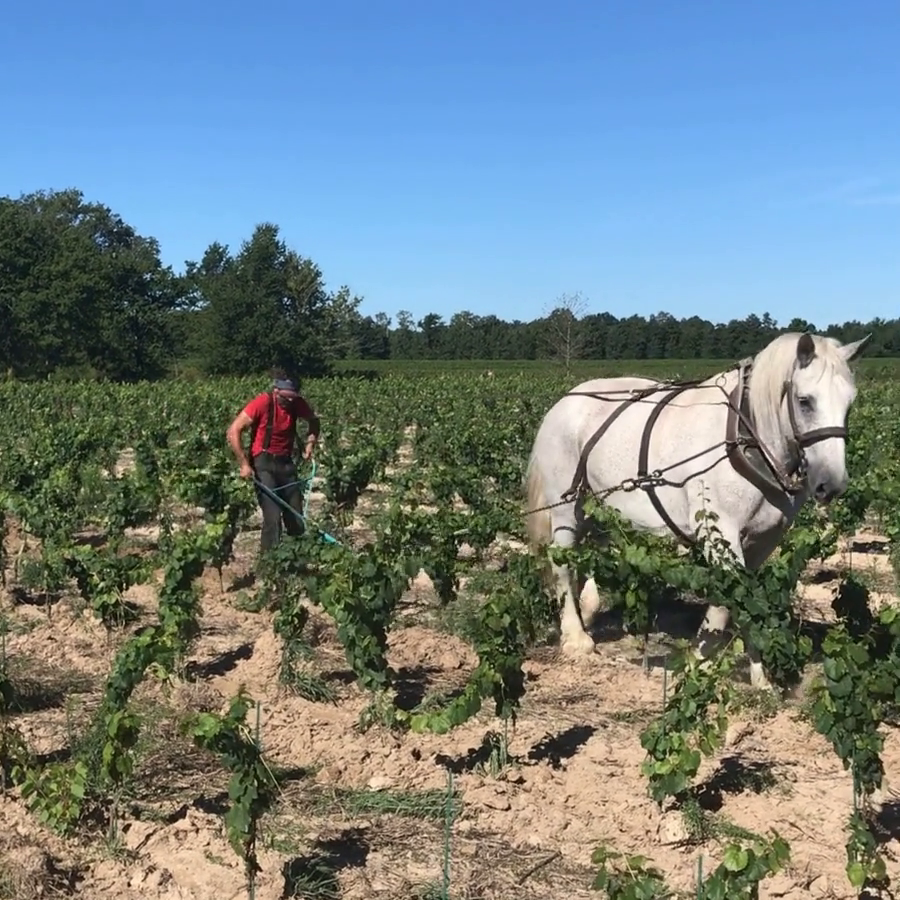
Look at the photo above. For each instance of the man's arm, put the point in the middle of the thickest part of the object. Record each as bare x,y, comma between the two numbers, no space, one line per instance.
306,412
233,435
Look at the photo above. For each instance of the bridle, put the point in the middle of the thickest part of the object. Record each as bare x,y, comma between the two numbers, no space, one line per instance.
791,479
803,439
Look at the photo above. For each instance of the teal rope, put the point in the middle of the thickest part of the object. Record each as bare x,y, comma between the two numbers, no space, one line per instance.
300,516
307,491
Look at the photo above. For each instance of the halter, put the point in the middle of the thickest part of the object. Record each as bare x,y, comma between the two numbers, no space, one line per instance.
808,438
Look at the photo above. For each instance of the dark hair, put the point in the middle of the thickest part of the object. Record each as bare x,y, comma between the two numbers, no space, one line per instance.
280,373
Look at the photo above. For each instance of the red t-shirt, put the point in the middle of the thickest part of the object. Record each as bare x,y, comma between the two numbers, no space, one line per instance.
284,429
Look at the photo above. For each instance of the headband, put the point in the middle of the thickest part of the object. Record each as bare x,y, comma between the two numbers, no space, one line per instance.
284,384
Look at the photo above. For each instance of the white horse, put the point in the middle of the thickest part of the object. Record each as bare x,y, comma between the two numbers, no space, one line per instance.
752,445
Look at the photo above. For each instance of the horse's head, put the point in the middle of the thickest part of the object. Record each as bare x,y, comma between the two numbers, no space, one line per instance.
817,400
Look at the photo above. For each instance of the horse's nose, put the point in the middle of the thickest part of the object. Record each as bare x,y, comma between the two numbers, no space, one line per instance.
826,491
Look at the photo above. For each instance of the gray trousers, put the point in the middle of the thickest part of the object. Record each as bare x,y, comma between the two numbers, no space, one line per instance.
275,472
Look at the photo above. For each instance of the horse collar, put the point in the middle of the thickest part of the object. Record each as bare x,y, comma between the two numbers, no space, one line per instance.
748,454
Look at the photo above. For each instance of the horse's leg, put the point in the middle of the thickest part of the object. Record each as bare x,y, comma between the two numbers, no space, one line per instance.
574,640
709,641
589,601
758,678
712,628
711,632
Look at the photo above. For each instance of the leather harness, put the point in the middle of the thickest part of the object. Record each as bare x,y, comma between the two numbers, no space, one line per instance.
747,453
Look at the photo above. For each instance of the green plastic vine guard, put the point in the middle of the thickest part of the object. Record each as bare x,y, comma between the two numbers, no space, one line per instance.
307,490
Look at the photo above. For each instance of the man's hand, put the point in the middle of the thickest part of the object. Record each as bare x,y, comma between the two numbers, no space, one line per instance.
246,470
308,451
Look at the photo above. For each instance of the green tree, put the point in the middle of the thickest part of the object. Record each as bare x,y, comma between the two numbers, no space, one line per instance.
343,323
81,290
432,328
406,342
265,306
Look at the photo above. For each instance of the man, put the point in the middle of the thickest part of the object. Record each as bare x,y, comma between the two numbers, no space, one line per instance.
272,416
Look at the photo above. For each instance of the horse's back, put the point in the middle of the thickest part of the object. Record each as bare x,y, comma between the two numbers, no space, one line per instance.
608,385
580,412
591,401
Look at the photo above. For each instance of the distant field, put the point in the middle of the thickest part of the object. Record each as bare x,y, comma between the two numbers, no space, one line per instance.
878,368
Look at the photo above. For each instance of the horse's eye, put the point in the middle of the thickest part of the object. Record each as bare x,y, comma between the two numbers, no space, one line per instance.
805,403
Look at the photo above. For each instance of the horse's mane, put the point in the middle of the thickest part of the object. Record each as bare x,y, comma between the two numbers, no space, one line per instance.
774,365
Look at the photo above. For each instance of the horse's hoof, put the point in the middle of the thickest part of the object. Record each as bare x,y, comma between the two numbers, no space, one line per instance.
759,680
763,685
578,646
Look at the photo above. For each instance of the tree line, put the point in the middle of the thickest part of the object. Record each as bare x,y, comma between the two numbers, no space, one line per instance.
83,294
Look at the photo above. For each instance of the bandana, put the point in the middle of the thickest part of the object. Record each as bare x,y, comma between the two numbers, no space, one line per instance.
285,384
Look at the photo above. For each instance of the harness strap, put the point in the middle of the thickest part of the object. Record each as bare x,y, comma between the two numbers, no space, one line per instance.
270,422
643,471
737,445
580,481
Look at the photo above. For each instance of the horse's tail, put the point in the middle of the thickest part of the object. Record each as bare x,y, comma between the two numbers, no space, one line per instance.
537,521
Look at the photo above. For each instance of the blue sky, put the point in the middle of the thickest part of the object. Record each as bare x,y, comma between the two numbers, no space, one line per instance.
710,158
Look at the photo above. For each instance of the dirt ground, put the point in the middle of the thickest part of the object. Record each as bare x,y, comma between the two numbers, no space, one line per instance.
363,815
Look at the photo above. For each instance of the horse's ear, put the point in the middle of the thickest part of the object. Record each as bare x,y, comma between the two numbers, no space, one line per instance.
853,350
806,350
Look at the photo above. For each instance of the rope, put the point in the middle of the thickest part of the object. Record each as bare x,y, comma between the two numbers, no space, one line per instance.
308,480
273,494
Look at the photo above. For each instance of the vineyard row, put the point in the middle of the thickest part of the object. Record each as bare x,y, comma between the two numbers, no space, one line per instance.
101,464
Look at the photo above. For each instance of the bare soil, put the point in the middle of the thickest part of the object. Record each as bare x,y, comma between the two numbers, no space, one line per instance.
362,815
